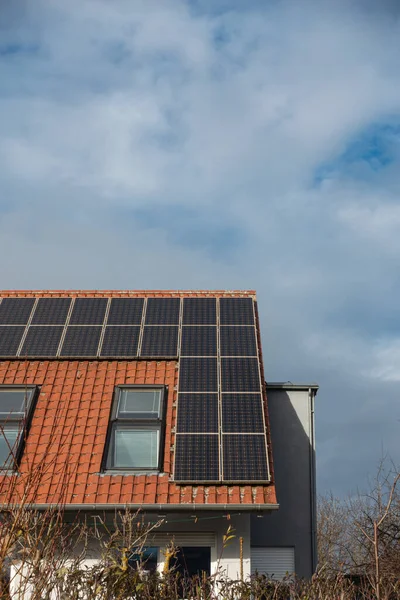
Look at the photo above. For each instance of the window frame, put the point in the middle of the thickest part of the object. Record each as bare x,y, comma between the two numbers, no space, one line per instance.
149,423
24,422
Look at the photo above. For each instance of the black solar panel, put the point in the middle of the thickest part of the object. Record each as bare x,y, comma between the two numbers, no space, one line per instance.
196,458
15,311
159,342
162,311
88,311
198,375
199,311
197,413
51,311
238,341
42,341
81,341
120,341
10,339
242,413
236,311
199,341
244,458
125,311
240,375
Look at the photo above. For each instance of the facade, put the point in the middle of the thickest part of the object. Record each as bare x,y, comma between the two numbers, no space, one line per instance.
157,401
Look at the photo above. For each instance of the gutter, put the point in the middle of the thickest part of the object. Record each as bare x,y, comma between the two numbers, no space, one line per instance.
288,385
158,507
312,392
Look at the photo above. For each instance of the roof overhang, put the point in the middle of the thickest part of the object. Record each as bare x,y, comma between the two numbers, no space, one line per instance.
288,385
256,508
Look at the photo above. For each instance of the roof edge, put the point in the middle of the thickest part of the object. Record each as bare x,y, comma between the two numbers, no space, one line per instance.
130,291
157,507
288,385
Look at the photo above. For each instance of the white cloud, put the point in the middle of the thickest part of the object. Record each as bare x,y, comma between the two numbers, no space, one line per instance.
225,114
379,224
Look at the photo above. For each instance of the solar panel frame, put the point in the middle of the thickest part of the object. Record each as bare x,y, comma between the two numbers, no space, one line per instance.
242,413
16,311
240,374
245,458
75,344
42,341
162,311
200,340
238,340
88,311
10,339
199,311
197,413
197,457
159,341
236,311
125,311
120,341
198,374
51,311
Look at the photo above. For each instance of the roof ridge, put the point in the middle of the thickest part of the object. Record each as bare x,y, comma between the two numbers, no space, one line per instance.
128,292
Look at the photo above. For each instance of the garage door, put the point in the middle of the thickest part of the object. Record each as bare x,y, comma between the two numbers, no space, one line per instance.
274,562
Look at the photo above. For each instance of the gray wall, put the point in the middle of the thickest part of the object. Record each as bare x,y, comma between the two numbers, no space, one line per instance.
292,432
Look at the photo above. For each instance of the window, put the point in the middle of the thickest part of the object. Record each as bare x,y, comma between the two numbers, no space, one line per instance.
146,560
15,408
135,434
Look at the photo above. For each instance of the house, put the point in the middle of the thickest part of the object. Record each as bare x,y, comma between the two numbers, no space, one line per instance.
157,400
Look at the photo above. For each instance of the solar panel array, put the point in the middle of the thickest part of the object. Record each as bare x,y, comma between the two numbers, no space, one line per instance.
89,327
220,427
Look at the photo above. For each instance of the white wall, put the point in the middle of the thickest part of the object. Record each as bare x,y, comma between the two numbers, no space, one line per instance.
184,530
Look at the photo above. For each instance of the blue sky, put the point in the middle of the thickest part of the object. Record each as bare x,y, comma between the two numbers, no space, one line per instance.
221,145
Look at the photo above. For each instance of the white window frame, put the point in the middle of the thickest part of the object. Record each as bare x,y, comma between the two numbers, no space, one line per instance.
20,420
138,423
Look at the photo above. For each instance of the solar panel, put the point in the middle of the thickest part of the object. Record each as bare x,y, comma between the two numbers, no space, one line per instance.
160,341
240,375
16,311
81,341
196,458
162,311
125,311
51,311
197,413
88,311
10,339
238,341
242,413
244,458
199,311
42,341
120,341
236,311
198,375
199,341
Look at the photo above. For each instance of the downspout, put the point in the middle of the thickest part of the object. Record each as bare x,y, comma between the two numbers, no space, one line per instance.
313,488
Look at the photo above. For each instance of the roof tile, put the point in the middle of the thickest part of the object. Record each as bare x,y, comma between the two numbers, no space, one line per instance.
70,422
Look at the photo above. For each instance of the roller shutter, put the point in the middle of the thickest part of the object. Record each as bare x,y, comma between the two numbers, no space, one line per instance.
274,562
183,539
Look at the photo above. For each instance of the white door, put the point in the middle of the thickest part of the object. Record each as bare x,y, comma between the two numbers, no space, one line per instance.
272,561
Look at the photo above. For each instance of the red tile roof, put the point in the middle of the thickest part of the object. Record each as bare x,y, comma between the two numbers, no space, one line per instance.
62,458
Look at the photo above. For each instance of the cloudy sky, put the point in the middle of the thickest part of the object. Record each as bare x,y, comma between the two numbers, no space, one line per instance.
221,144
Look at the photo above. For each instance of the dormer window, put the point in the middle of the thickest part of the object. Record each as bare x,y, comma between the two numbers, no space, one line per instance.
16,404
136,430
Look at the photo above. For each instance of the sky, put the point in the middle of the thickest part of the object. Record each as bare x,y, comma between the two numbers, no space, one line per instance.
221,144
